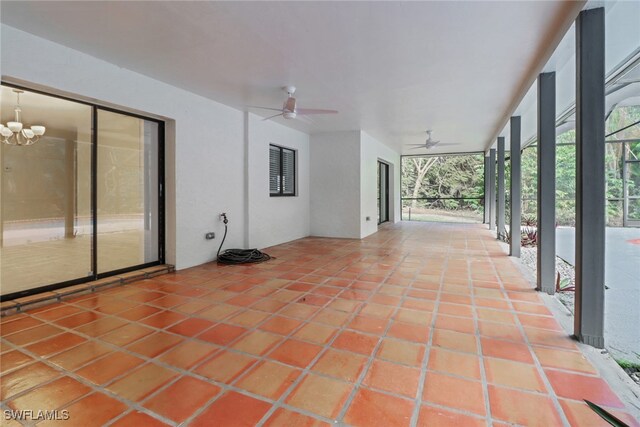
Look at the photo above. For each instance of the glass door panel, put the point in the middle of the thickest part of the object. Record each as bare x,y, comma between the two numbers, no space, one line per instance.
127,191
45,200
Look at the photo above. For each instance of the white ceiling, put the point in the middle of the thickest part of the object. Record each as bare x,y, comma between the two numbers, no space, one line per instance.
392,69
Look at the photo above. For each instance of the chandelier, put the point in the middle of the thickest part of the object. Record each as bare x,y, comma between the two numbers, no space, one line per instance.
15,134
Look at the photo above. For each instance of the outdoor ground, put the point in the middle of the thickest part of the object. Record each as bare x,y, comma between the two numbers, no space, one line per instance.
441,215
622,278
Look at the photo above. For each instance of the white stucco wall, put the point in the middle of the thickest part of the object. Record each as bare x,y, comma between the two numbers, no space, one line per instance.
274,220
335,184
344,184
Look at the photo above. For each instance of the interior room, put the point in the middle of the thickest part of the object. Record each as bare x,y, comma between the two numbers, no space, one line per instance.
320,213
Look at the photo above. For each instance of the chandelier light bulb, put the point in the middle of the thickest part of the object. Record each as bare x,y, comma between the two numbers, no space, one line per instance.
14,126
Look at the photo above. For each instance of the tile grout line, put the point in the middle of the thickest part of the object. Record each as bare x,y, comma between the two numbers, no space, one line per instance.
147,360
423,369
279,402
551,392
260,358
371,358
483,374
216,350
122,349
365,367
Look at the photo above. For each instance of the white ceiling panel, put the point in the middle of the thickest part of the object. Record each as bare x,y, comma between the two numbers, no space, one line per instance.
392,69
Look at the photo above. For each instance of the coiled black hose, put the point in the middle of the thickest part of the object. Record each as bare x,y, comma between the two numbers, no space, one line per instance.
239,256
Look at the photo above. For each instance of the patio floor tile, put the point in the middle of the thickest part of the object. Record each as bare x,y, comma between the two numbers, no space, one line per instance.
437,417
320,395
522,408
454,392
513,374
192,392
51,396
269,379
295,353
286,418
232,409
370,408
340,364
393,378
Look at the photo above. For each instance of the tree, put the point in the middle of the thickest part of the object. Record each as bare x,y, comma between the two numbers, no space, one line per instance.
445,180
422,166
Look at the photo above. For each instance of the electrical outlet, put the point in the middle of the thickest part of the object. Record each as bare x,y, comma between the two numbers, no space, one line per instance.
209,236
368,218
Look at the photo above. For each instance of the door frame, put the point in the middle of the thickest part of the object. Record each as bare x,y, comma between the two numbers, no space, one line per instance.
94,196
383,165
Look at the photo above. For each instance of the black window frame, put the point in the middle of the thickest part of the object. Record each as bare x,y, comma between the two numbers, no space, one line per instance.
281,151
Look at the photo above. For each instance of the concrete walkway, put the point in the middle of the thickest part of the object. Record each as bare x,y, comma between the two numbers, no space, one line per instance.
622,277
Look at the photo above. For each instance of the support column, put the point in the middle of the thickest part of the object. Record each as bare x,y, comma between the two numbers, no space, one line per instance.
515,187
590,178
492,189
500,188
487,208
546,265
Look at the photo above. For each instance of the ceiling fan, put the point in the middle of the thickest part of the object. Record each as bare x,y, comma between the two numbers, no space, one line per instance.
430,143
290,110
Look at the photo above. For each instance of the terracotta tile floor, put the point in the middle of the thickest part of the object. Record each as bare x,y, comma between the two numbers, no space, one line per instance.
419,324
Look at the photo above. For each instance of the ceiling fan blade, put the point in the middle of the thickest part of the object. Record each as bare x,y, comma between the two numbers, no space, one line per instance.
305,111
264,108
305,119
419,145
448,144
271,117
416,148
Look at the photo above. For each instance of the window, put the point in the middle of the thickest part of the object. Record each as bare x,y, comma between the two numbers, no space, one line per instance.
282,171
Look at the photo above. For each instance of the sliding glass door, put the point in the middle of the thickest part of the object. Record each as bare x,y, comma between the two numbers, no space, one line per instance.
82,202
127,191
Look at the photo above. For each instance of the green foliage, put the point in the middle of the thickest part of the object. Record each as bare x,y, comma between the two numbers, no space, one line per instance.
445,177
566,179
625,364
463,176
